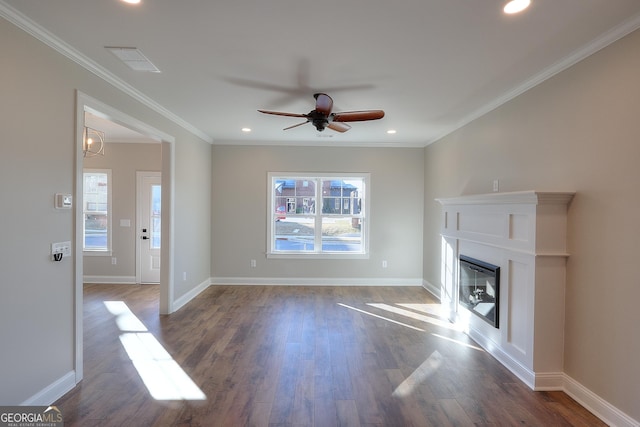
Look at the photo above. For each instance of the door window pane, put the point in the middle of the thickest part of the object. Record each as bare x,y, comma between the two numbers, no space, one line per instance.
156,204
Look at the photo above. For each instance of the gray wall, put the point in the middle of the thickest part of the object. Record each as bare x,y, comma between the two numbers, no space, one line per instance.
578,131
37,149
192,238
124,159
240,210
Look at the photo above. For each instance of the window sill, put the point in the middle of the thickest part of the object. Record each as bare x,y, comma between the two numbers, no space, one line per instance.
297,255
97,253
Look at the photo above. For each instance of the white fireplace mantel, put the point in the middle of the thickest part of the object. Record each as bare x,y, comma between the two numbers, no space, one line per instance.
515,197
525,234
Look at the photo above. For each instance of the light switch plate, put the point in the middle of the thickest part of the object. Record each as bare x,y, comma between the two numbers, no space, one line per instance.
63,201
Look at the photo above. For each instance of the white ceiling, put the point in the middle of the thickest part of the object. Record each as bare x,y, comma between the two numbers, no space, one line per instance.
432,65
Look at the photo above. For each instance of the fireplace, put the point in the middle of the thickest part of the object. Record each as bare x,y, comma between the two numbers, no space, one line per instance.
525,233
479,288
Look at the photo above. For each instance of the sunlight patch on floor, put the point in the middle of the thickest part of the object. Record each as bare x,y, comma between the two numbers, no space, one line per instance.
125,319
416,316
417,377
163,376
437,310
464,344
380,317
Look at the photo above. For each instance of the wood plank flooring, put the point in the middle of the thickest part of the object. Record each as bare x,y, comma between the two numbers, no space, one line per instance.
299,356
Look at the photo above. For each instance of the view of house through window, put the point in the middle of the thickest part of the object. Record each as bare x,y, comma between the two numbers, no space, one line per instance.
96,209
320,214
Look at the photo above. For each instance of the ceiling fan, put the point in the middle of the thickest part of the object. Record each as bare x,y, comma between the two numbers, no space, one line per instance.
322,117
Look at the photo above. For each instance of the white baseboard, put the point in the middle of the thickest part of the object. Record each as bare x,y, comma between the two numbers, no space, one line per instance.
184,299
315,281
597,405
53,391
558,381
548,381
433,290
516,368
117,280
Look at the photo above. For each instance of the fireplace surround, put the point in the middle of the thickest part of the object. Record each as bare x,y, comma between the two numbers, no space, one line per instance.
524,233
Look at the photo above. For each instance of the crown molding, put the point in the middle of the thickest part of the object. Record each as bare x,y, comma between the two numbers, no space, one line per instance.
24,23
604,40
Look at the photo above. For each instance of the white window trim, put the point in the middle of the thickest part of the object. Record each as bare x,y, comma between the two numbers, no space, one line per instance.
272,254
100,252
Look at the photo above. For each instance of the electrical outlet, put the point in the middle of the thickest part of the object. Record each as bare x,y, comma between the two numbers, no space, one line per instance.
184,275
253,263
60,250
384,263
496,185
114,260
63,248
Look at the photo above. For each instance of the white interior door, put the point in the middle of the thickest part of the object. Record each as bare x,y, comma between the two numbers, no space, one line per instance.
149,230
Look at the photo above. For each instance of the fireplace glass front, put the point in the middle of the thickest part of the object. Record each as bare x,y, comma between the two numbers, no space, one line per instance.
479,287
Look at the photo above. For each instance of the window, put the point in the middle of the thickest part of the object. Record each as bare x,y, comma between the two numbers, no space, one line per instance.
97,211
319,215
156,216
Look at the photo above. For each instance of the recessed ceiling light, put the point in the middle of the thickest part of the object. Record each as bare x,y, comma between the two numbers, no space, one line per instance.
246,130
515,6
391,131
131,1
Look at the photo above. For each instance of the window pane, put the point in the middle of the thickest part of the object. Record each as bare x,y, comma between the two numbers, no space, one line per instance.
96,207
294,196
95,231
342,196
305,187
294,234
291,205
343,234
95,192
308,205
155,216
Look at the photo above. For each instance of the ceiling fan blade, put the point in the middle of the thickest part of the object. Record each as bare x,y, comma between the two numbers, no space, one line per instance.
357,116
278,113
295,126
338,127
324,103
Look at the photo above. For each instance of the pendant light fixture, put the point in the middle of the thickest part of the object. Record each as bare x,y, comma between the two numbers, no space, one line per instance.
92,142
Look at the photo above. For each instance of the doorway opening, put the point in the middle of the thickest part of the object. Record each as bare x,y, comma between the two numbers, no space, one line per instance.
86,105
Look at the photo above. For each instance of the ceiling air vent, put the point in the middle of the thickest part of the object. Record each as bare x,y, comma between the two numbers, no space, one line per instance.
134,58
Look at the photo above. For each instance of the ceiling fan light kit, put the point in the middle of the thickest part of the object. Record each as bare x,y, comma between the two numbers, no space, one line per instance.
322,116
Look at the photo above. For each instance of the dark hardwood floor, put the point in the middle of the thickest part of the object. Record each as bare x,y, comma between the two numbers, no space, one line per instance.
294,356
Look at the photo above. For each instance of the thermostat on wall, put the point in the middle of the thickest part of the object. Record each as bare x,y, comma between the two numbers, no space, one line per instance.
63,201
